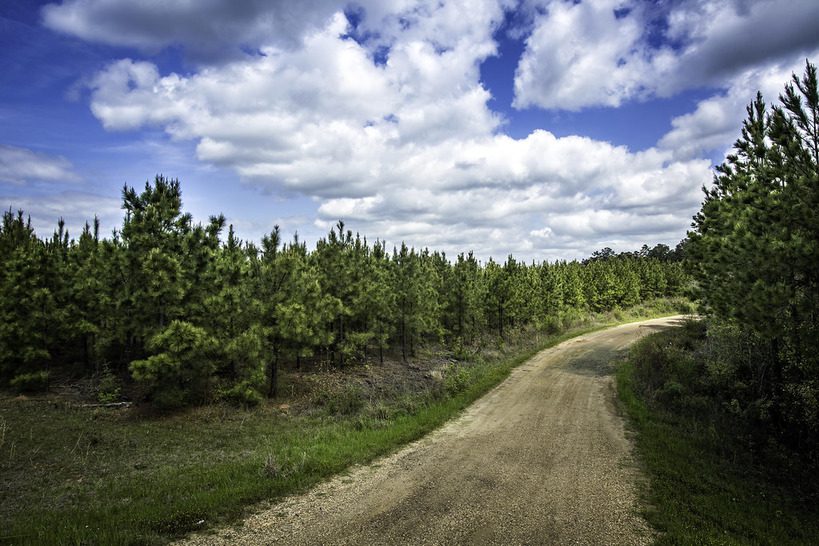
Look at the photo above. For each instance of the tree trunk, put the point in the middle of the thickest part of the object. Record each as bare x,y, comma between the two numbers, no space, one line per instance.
403,339
86,353
341,341
461,313
274,376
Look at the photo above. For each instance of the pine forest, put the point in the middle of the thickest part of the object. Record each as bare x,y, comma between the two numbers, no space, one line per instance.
190,314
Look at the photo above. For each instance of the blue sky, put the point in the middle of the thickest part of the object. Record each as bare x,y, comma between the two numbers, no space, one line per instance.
547,129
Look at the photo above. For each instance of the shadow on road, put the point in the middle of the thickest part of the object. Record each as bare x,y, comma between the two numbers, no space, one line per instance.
602,361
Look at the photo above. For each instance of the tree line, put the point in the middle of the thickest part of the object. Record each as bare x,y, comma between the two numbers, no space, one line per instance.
190,314
754,252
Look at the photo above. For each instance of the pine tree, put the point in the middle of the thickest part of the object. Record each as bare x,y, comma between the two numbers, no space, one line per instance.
467,298
152,240
333,259
88,298
754,247
233,315
304,310
496,294
26,303
181,369
417,309
377,299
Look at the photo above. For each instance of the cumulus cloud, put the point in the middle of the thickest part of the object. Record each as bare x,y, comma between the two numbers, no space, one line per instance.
603,53
726,38
530,196
209,29
406,149
582,54
714,124
313,119
21,165
384,123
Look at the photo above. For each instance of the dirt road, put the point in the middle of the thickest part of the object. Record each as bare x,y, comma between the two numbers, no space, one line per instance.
541,459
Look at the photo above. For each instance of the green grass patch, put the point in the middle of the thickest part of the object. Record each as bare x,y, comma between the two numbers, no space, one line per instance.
74,475
707,485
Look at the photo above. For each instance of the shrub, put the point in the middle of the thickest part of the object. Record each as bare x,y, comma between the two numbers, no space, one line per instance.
665,369
347,401
246,352
456,379
109,387
243,393
344,400
30,382
552,324
182,367
169,397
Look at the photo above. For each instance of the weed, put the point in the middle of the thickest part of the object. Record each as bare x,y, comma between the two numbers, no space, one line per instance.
271,467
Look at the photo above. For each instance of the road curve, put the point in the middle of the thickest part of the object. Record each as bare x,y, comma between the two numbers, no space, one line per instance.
541,459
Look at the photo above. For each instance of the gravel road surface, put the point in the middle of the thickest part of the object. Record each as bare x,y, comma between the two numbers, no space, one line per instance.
543,458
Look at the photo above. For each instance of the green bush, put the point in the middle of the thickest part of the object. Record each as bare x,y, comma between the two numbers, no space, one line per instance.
182,368
665,369
169,397
109,387
30,382
717,370
347,401
459,350
243,394
713,478
246,352
456,379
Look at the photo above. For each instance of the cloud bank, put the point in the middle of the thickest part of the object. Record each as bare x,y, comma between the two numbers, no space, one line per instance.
377,113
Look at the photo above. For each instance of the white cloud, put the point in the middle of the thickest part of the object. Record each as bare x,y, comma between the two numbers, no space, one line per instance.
21,166
723,39
715,123
407,149
582,54
209,29
74,207
533,194
606,52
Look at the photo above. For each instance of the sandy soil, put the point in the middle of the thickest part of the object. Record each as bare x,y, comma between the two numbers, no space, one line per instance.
543,458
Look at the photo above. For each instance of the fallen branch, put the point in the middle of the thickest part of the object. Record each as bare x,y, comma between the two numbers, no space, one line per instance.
109,405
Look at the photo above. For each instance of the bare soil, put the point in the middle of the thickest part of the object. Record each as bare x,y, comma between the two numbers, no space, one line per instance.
544,458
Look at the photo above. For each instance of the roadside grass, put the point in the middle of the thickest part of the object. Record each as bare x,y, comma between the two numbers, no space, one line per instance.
75,475
705,484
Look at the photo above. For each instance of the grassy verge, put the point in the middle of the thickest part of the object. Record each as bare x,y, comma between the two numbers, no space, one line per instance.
74,475
706,484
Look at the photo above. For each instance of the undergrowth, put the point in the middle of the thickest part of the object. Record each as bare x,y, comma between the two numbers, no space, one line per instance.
712,480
